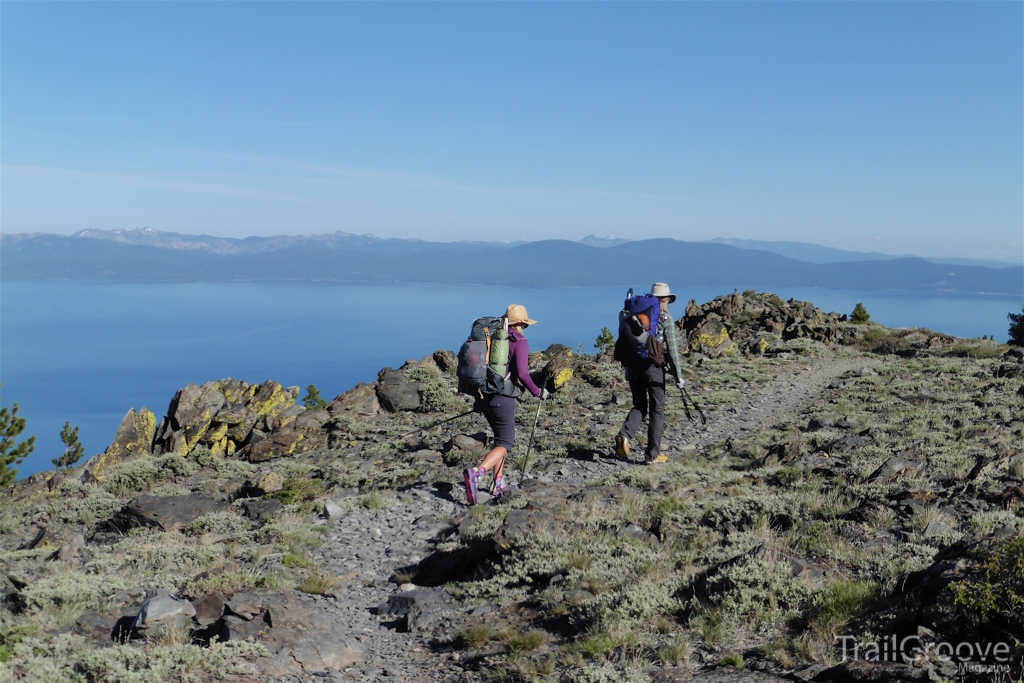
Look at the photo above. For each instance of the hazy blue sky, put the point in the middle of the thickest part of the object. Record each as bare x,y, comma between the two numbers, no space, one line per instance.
888,126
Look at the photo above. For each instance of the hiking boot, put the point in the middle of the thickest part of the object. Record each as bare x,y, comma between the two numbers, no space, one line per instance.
621,447
500,487
472,478
657,460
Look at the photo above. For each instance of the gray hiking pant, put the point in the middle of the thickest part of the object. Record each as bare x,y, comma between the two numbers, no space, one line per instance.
647,382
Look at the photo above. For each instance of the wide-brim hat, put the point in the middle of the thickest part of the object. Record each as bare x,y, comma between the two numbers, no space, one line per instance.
517,315
660,289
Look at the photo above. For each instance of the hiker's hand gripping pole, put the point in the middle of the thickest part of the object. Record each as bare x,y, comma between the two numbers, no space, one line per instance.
529,446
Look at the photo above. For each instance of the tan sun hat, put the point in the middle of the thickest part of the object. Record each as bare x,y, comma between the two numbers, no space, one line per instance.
517,314
660,289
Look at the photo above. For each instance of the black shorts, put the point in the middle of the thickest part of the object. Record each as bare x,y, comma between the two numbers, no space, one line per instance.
500,412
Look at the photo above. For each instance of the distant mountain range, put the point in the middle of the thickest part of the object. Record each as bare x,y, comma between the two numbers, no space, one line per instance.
816,253
150,255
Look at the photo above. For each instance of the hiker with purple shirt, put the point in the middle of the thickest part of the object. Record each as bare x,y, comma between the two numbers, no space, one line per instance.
500,409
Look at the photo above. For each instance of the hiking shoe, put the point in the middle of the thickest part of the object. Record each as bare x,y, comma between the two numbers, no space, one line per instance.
659,459
472,478
621,447
500,487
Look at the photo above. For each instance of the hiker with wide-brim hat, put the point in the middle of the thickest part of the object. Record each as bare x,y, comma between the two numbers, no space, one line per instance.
647,379
500,409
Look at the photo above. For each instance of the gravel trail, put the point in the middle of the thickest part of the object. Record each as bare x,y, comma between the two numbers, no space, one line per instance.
365,547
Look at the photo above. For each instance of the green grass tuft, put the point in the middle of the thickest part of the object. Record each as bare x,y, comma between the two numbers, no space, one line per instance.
475,635
734,660
318,583
840,603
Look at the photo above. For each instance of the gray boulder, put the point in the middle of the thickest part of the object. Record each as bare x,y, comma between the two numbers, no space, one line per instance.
466,442
422,608
209,608
69,551
361,399
527,523
904,464
292,620
261,510
167,513
310,419
162,608
284,443
395,392
332,511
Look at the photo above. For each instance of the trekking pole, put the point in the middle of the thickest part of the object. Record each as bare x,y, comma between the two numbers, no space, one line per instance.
686,395
436,424
686,407
529,446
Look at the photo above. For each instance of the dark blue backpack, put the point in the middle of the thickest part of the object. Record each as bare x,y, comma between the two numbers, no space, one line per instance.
638,330
480,358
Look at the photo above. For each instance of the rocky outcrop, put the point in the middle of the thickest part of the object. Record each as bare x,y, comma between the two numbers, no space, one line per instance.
229,417
756,324
224,416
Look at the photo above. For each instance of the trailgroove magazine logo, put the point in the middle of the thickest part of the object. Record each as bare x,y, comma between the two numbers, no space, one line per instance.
971,657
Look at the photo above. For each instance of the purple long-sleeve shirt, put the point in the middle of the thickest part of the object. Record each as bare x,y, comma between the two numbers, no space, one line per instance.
519,360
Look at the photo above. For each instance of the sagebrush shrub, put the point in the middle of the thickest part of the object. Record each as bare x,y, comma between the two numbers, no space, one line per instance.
435,394
130,477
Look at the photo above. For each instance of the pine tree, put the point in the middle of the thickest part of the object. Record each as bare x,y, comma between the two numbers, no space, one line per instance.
1016,328
860,314
312,398
605,340
11,453
73,450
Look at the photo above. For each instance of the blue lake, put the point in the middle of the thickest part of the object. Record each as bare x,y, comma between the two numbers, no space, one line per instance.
86,352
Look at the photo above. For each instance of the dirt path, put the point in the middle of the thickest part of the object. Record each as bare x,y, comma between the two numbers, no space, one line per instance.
365,547
791,392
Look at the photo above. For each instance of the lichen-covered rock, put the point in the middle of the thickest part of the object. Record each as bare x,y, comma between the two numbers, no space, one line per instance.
748,322
236,391
270,482
133,438
271,399
223,416
287,416
192,412
711,337
559,370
